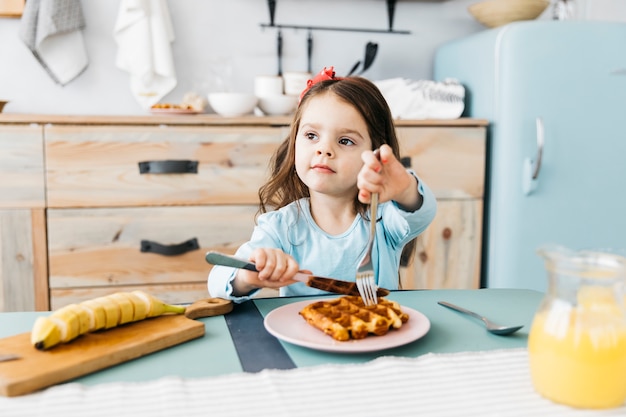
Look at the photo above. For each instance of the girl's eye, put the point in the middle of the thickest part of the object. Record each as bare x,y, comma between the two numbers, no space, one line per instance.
310,136
346,141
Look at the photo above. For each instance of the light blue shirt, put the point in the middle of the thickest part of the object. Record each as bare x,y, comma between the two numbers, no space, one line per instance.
293,230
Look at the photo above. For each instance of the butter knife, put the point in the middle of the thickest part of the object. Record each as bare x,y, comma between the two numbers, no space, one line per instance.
333,285
8,357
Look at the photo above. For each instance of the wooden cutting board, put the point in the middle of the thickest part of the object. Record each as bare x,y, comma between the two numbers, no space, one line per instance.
91,352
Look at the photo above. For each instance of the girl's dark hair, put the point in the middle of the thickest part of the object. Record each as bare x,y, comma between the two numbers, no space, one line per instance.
284,186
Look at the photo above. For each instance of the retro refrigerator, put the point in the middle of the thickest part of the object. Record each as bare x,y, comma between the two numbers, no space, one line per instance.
554,93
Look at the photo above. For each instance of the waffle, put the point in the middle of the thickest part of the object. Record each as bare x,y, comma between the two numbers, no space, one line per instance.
348,318
340,287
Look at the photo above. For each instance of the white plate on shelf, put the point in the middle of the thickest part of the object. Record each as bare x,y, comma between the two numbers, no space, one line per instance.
288,325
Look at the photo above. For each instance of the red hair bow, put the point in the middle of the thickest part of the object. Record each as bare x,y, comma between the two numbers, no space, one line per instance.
328,73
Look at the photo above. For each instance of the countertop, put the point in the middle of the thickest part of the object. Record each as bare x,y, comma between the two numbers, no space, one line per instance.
202,120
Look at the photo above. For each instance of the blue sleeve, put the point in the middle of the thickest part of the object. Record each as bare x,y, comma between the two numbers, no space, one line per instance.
401,226
421,218
264,235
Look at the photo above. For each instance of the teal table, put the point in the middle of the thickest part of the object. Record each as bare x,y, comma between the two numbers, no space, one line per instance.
216,354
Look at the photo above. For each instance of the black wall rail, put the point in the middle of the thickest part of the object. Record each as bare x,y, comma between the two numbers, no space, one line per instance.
391,8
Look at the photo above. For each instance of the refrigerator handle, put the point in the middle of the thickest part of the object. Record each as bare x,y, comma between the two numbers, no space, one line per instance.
532,167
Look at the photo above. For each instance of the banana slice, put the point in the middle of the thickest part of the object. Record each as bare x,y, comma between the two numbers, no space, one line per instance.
139,307
97,314
111,311
68,323
84,319
127,310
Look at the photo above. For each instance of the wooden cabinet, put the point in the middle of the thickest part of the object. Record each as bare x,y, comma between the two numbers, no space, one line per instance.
140,205
451,160
135,202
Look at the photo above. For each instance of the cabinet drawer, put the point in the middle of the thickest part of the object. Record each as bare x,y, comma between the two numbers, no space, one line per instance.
21,167
103,247
451,160
99,166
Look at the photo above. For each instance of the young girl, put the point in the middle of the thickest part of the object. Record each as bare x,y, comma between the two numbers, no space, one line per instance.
314,205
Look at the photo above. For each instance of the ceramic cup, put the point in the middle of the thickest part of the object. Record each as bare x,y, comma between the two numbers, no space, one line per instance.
268,85
295,82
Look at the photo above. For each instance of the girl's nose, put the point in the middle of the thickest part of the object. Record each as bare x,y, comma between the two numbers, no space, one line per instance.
324,149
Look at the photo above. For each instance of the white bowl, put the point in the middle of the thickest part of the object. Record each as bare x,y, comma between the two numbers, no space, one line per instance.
278,104
232,104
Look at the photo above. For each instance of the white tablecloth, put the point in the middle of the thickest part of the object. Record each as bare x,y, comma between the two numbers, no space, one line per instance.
494,383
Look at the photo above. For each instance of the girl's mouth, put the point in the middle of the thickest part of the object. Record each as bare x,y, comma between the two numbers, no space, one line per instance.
322,168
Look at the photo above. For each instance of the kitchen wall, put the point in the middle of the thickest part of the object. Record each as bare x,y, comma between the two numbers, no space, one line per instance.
209,32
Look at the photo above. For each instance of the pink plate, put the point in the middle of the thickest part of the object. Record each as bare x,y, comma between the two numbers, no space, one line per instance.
286,324
173,111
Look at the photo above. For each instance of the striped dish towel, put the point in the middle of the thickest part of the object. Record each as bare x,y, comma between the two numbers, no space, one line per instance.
52,30
493,383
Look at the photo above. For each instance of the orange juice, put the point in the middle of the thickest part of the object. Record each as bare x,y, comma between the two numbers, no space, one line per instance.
578,353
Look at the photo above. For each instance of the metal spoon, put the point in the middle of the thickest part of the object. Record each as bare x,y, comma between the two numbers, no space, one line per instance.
491,326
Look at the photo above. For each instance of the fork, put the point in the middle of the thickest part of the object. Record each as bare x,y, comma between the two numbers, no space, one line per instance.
365,273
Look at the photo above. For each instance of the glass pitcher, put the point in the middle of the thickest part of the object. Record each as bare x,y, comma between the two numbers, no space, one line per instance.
577,342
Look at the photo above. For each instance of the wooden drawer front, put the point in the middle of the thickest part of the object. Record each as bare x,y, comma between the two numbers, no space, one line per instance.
451,160
447,254
21,167
102,247
98,166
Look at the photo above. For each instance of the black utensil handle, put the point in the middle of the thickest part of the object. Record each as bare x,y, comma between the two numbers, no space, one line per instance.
353,69
279,44
170,250
216,258
391,10
168,167
271,4
309,51
370,54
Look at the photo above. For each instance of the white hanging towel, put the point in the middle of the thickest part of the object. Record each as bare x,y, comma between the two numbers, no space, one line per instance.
52,31
144,33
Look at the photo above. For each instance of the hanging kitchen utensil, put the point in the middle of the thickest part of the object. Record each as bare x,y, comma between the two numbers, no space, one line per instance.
271,4
309,51
353,69
370,53
279,52
391,11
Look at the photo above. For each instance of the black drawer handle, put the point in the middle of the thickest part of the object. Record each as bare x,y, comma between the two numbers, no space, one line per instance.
170,250
168,167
